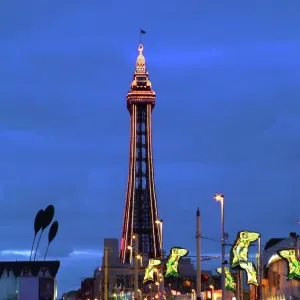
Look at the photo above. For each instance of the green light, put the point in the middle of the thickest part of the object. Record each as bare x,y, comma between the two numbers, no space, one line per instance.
175,255
289,255
229,281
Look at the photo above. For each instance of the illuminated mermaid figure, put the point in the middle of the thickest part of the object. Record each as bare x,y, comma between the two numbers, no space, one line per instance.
176,254
149,270
241,246
289,255
229,281
251,272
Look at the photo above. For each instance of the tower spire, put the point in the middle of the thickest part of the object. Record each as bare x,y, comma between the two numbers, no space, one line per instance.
140,65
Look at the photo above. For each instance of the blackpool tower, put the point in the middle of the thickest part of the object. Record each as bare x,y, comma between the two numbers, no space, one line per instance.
141,214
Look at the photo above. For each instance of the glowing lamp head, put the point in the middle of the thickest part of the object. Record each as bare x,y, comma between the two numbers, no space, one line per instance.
158,222
219,197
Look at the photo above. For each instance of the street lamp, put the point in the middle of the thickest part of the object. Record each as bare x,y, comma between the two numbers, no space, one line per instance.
140,258
212,292
193,294
220,198
160,224
130,249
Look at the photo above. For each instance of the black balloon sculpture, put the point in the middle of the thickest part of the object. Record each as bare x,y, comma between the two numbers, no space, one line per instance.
37,227
52,234
45,220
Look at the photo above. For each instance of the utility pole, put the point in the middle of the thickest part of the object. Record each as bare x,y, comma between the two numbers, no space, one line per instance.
161,270
136,266
260,270
241,285
105,273
198,245
161,284
238,284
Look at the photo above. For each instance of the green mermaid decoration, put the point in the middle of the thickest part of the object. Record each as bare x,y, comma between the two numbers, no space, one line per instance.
239,251
239,255
289,255
175,255
229,281
149,270
251,272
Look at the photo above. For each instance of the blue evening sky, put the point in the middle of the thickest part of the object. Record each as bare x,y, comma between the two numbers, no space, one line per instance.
227,120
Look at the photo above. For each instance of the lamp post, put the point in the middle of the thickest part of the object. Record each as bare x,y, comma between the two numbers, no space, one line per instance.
136,266
212,292
160,224
193,294
297,245
220,198
260,270
198,244
161,275
130,249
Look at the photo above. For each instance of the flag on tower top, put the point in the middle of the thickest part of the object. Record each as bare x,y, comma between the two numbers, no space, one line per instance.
141,33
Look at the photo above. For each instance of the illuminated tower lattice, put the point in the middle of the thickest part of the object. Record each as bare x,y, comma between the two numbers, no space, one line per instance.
141,215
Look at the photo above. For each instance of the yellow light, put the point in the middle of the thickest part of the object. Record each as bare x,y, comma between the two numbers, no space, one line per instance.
133,236
129,247
219,197
211,286
158,222
138,256
156,283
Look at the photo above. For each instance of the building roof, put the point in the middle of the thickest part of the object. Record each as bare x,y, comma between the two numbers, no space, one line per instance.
272,242
33,266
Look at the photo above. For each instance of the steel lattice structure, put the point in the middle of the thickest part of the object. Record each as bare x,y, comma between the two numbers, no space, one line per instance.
141,213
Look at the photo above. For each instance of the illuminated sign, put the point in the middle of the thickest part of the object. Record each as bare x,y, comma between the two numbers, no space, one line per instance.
229,281
176,253
149,270
239,254
293,264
